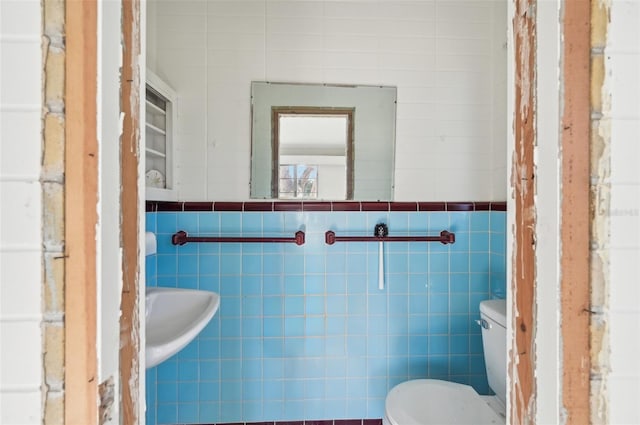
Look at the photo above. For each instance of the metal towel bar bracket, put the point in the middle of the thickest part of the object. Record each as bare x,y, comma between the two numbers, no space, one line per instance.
445,238
181,237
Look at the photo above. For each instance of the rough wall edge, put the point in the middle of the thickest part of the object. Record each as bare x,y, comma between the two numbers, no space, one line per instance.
521,366
52,179
130,154
600,190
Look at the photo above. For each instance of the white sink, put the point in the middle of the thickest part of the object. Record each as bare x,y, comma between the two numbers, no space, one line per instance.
174,318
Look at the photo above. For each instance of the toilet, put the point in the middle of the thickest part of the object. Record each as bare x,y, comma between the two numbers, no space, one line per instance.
437,402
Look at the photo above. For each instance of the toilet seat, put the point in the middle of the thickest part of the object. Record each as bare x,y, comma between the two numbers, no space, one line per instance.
436,402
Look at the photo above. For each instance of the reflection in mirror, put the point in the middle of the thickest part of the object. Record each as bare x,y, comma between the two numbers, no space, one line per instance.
298,181
313,153
318,141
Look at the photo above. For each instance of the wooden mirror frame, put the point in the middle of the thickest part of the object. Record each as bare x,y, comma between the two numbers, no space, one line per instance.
278,111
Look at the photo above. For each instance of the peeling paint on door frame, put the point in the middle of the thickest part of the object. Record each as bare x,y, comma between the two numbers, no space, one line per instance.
130,344
522,353
574,291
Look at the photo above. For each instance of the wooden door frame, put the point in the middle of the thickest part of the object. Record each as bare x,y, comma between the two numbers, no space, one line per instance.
575,283
81,200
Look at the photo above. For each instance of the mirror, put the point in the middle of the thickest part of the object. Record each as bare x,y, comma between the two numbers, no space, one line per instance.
324,142
312,142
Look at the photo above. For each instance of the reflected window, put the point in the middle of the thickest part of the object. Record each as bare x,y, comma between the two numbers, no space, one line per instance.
298,181
319,136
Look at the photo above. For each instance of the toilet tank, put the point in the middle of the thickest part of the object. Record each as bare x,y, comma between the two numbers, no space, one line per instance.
493,320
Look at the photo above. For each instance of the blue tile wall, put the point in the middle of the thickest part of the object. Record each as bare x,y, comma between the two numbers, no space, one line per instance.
151,279
498,242
303,332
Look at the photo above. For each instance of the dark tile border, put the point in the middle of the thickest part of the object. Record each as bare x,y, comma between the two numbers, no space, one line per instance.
227,206
345,206
403,206
316,206
258,206
197,206
498,206
300,206
168,206
460,206
432,206
287,206
374,206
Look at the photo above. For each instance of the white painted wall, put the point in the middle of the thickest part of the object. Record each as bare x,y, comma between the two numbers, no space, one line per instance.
446,58
21,213
623,68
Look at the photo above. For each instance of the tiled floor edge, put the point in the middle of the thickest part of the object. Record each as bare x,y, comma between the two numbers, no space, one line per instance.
269,206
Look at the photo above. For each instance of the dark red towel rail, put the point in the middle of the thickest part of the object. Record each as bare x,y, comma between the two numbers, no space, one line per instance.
181,238
445,238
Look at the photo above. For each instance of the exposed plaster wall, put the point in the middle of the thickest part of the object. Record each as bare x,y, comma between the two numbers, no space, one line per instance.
53,209
131,330
600,173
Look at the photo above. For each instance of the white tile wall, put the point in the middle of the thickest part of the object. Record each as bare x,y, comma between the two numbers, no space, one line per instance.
447,59
20,216
623,63
501,119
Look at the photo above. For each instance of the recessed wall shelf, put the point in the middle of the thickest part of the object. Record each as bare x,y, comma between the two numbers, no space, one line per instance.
153,107
155,129
154,152
160,120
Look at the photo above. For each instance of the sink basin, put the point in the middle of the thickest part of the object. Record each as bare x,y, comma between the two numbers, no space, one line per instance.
174,318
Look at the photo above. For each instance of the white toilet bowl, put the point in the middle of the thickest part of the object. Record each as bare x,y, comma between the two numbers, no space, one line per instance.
436,402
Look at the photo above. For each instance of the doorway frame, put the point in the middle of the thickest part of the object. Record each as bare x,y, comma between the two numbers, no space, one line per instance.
81,175
568,368
80,214
84,403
